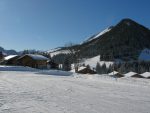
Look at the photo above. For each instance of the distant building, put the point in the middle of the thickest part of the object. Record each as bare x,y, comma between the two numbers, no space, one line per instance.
133,74
85,70
10,60
115,74
34,61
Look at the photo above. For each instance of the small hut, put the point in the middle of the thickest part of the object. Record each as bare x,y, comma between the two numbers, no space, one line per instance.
133,74
34,61
146,75
85,70
10,60
115,74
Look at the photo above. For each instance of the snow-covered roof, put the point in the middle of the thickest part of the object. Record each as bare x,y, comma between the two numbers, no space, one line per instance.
81,68
130,74
113,73
146,74
10,57
36,57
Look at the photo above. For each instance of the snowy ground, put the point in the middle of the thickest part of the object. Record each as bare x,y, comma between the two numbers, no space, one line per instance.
34,92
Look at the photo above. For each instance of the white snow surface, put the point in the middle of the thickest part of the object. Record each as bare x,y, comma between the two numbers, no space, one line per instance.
9,57
53,50
93,61
33,92
59,52
145,55
146,74
98,35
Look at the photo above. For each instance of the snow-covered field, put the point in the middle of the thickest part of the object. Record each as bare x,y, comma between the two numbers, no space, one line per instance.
36,92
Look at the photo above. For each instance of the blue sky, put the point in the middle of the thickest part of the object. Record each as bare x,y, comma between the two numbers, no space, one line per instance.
46,24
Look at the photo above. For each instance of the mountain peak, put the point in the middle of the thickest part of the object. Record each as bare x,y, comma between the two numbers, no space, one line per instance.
128,22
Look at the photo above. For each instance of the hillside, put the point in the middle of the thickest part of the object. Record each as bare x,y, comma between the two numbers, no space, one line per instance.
126,39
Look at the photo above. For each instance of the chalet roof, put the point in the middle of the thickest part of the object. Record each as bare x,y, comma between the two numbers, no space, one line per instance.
36,57
146,74
81,68
10,57
130,74
113,73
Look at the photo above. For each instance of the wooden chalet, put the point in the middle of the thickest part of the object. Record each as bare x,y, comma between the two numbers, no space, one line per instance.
34,61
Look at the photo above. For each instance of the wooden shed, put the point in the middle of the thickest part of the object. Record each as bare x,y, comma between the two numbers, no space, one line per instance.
33,60
133,74
115,74
85,70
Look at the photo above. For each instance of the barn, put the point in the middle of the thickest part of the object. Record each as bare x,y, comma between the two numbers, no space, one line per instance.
34,61
133,74
115,74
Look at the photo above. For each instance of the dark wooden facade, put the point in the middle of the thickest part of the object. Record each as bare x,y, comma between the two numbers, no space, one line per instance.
1,56
29,61
86,71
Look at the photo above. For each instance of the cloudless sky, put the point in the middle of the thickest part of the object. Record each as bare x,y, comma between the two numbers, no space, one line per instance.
46,24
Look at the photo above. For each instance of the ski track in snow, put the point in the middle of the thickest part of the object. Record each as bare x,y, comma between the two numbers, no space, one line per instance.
27,92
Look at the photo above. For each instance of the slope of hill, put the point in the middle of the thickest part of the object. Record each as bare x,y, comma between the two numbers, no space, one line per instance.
98,35
125,40
94,60
8,52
